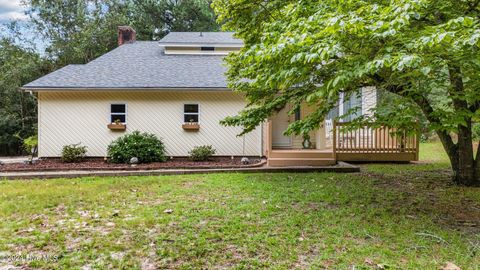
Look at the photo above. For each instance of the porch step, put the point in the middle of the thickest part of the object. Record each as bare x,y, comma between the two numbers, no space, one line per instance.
301,154
282,162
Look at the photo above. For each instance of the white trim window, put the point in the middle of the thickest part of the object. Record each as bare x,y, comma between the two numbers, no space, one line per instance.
118,112
190,113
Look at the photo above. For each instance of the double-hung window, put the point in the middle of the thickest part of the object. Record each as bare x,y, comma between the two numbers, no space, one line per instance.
190,113
118,113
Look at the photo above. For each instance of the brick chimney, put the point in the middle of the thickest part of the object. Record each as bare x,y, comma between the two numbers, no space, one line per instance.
126,34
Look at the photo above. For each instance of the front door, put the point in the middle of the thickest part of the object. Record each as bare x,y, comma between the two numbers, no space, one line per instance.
280,123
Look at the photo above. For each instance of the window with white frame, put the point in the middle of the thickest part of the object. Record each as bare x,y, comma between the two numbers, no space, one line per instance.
190,113
118,113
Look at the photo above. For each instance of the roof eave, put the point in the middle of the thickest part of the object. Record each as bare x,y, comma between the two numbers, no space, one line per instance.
79,89
189,44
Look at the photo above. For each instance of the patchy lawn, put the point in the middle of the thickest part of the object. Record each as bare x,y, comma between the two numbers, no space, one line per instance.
397,216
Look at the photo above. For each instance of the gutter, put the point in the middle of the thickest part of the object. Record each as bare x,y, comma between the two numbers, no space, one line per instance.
139,89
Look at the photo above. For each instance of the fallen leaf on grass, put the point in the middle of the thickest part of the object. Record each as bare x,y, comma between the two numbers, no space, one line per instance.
369,261
450,266
168,211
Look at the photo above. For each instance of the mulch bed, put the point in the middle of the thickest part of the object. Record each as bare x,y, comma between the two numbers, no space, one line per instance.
96,164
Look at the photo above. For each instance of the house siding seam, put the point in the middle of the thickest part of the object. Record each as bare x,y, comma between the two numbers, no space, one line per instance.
82,117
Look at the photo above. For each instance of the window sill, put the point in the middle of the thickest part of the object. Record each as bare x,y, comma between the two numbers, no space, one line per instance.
191,126
114,126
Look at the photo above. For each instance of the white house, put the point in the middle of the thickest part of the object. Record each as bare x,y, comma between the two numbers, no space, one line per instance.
174,88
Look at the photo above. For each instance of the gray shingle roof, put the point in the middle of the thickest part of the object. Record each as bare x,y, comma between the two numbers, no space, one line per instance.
204,38
142,64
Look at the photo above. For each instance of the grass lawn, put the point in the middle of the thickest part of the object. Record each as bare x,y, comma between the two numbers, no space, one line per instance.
395,216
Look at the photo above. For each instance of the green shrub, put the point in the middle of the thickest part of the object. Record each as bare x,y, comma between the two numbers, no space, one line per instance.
145,146
73,152
202,153
30,144
476,131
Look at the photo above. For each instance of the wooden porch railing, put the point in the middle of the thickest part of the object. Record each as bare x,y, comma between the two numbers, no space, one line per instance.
373,144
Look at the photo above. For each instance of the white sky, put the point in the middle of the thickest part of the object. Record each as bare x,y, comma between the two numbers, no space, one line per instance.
11,10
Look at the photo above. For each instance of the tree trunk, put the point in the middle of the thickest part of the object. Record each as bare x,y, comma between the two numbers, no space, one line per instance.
466,172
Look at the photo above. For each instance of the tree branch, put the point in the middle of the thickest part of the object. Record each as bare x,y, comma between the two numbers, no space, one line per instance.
428,111
444,136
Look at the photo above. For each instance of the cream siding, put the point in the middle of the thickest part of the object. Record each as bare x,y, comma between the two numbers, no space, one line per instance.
297,140
82,117
197,50
369,100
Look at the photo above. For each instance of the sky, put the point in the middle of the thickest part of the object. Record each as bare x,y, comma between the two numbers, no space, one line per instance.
11,10
15,10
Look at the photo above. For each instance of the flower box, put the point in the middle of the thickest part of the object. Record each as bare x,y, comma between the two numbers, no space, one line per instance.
114,126
191,126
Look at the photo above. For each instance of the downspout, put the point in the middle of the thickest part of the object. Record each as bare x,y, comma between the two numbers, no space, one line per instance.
262,139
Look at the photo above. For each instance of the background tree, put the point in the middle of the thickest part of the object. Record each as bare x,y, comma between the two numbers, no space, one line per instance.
424,52
18,65
155,18
77,31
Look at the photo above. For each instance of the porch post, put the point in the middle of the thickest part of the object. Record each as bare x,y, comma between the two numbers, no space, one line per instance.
321,137
340,105
268,140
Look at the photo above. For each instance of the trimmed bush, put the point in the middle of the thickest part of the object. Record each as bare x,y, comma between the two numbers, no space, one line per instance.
73,153
202,153
145,146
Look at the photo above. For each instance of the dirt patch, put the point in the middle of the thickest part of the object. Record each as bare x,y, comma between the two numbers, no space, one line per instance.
432,193
55,164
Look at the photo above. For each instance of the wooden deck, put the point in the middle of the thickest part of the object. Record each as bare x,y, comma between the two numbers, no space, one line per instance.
364,144
374,144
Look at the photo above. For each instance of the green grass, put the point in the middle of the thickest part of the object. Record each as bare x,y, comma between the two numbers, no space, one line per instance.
433,152
401,216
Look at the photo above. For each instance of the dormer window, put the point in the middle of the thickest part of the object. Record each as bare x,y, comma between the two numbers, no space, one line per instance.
208,48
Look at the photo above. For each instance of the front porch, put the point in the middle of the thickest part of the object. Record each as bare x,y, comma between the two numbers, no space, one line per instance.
283,150
332,142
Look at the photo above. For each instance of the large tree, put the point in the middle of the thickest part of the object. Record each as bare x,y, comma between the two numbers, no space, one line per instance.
423,52
77,31
18,65
155,18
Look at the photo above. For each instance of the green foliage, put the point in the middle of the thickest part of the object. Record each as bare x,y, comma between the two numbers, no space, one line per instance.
425,52
318,50
30,144
19,65
476,131
145,146
154,19
80,31
77,31
202,153
73,153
